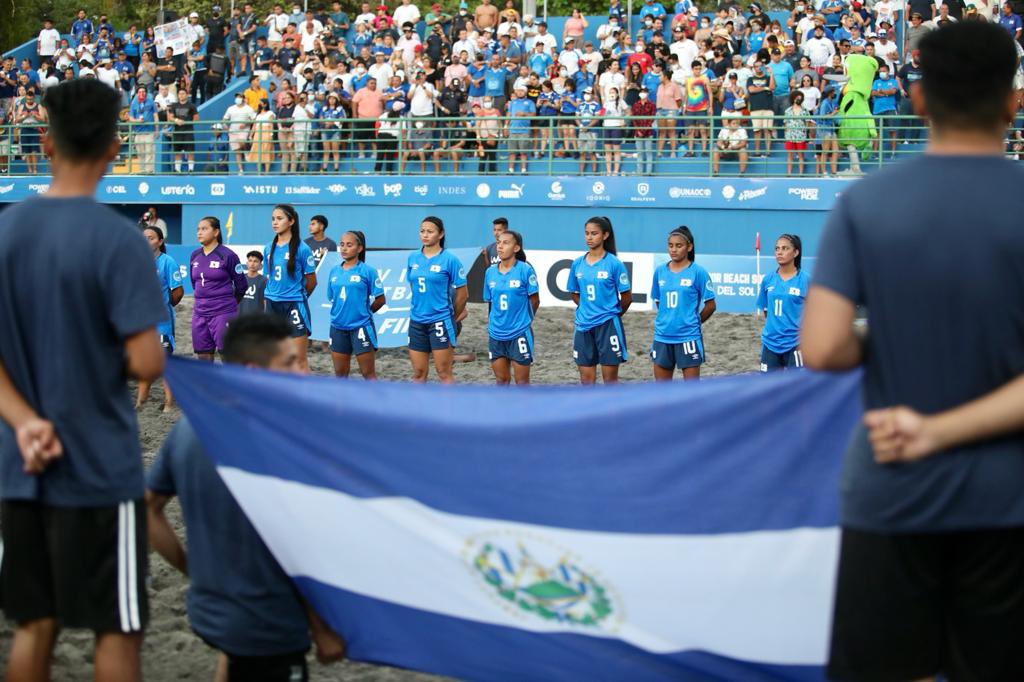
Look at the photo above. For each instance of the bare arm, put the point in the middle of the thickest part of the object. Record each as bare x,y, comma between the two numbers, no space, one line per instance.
461,296
625,299
900,434
177,295
161,536
144,357
37,440
377,304
534,302
310,283
330,647
827,338
708,310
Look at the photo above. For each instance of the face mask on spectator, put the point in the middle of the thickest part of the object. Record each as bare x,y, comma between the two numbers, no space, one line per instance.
238,101
488,103
563,73
643,95
588,97
883,74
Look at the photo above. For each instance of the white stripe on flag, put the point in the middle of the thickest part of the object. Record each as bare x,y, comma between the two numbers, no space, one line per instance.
122,573
761,596
133,574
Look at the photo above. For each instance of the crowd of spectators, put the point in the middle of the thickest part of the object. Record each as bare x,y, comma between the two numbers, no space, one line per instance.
326,87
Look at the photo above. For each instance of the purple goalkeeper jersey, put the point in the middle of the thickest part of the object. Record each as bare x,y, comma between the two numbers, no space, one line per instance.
218,280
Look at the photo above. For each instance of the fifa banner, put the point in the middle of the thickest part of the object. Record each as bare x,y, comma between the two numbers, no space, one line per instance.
548,533
173,35
392,321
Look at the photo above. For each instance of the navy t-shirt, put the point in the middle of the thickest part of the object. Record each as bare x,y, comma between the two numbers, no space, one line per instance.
943,282
76,279
239,600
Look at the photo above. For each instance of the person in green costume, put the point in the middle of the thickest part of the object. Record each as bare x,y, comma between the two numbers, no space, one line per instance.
856,126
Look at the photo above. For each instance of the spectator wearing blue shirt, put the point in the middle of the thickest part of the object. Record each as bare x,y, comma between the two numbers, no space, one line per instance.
883,101
476,71
495,76
142,114
81,27
539,60
240,600
832,10
197,59
520,110
652,9
755,39
652,79
1010,22
825,132
615,8
783,73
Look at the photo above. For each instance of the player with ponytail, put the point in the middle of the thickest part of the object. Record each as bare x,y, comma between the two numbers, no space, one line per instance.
512,295
355,292
291,276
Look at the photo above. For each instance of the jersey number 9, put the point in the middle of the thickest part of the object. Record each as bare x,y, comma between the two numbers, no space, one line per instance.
591,293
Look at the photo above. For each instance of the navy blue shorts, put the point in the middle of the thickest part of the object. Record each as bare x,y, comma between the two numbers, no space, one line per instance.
605,344
772,361
678,355
297,314
519,350
427,336
167,343
354,341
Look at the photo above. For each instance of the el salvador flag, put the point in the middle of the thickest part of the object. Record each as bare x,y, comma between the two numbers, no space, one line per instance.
634,532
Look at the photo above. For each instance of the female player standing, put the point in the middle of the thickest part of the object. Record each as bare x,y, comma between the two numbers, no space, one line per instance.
600,288
169,274
351,285
291,276
685,299
782,298
432,273
510,289
218,280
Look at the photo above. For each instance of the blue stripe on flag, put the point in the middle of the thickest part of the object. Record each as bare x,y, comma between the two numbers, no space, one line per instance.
382,632
727,455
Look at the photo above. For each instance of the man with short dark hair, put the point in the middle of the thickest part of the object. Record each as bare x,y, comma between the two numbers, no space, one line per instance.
932,550
240,600
75,324
318,241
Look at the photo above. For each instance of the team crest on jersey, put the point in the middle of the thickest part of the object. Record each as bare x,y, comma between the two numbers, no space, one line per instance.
686,282
239,269
377,284
624,279
435,268
311,261
601,274
536,580
354,278
215,264
533,280
514,284
794,291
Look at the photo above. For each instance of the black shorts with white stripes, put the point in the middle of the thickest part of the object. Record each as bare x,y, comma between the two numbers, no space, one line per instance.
83,566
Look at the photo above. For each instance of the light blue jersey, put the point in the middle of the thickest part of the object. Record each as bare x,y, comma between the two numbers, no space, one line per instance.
599,286
282,286
784,302
509,296
169,274
431,280
680,297
350,293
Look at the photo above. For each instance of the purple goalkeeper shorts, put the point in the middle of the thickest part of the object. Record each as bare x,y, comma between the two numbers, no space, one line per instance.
208,331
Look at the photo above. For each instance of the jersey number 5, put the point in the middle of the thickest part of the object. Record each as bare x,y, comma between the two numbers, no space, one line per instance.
422,281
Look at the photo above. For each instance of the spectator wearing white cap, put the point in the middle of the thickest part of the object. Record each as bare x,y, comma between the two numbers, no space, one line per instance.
887,50
569,57
194,30
106,74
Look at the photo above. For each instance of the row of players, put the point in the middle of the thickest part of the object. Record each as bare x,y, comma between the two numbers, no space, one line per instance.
598,281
